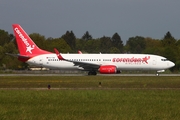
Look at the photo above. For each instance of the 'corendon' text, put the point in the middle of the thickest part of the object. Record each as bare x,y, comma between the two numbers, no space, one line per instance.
132,60
21,36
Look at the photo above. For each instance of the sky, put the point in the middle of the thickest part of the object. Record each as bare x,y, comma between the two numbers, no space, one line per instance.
129,18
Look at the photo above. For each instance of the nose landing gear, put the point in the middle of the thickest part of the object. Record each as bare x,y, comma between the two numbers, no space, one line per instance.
157,74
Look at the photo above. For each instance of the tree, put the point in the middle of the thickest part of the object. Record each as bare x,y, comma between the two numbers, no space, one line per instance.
153,46
91,46
1,53
178,50
117,42
38,39
114,50
5,37
105,44
58,43
168,40
9,61
136,44
168,36
70,38
86,36
80,44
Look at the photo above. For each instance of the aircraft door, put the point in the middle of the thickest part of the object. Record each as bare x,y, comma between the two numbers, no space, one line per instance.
40,61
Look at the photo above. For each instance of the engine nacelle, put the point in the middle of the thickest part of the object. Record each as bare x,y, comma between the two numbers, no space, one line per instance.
161,71
108,69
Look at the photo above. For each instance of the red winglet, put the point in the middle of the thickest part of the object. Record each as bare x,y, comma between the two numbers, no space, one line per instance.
58,54
79,52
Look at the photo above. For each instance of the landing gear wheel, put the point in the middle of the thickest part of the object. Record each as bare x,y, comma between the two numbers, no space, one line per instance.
92,73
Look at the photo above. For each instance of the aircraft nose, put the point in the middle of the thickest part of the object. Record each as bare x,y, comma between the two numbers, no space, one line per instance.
171,64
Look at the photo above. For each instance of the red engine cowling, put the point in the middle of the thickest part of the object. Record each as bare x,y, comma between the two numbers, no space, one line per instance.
108,69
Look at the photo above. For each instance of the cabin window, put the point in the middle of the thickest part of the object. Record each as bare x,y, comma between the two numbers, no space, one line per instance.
164,60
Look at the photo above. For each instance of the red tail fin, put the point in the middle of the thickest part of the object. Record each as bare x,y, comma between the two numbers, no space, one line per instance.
25,44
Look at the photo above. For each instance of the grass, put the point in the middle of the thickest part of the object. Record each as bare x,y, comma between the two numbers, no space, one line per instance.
90,104
130,102
89,81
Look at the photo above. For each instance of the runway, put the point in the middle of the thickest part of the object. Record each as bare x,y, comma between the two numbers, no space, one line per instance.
87,75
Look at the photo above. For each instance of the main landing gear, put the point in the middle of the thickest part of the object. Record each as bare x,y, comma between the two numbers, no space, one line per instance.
92,73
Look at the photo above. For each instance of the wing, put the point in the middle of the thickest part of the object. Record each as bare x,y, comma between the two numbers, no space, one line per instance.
85,65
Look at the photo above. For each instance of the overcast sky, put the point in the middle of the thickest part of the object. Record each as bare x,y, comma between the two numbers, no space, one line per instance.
129,18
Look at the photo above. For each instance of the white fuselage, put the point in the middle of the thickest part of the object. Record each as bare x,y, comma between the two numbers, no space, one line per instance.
121,61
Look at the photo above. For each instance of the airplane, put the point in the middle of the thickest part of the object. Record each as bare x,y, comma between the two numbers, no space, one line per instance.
30,53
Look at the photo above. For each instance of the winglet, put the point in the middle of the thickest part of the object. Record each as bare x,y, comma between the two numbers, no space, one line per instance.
79,52
58,54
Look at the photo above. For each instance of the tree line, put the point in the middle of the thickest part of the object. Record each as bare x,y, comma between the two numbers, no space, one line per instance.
168,46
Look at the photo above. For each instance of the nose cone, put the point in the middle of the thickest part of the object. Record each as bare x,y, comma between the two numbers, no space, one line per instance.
171,64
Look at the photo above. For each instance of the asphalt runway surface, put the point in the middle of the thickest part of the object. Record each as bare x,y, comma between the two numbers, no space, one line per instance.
87,75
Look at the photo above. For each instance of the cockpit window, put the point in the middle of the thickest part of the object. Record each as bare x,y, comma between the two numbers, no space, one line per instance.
164,59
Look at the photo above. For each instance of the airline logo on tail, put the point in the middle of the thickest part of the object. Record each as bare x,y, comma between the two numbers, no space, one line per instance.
29,47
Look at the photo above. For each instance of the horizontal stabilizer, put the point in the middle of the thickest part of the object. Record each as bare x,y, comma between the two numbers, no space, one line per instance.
18,55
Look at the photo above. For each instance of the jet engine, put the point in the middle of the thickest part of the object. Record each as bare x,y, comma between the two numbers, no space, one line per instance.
108,69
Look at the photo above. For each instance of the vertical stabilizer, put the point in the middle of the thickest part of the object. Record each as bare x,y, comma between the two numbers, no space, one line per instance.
25,44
